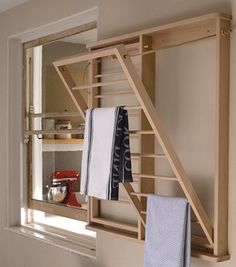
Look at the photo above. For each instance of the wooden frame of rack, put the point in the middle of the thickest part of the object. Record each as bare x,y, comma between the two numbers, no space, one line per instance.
214,245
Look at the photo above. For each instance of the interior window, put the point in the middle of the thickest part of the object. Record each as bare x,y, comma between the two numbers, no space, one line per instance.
54,135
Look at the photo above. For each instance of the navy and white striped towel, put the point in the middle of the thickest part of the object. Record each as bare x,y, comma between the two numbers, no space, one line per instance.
168,232
106,153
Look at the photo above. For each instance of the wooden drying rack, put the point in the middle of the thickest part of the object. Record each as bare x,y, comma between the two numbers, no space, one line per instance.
214,245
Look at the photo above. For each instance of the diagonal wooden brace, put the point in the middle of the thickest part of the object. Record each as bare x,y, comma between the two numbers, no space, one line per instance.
69,84
135,202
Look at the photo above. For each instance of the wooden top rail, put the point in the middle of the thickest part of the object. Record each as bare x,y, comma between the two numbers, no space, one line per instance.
85,57
150,32
155,30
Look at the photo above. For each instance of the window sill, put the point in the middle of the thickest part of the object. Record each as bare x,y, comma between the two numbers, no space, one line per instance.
81,245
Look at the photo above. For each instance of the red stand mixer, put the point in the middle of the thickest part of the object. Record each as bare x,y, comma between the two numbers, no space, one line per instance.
63,187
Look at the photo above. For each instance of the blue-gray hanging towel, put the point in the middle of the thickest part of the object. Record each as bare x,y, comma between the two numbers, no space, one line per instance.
168,232
106,158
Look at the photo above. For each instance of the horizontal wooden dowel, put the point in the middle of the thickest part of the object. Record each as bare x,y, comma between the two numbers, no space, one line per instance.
120,201
77,131
139,132
152,176
99,84
115,93
111,223
139,155
145,212
142,54
71,141
111,73
139,194
55,114
67,131
132,46
133,108
75,114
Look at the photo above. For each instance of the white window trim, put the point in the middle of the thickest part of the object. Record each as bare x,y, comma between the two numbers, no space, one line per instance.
16,178
81,247
37,104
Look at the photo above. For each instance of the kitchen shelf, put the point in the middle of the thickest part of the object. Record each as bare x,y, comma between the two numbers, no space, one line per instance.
62,145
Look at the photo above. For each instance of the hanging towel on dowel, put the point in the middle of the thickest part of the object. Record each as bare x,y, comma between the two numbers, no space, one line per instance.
168,232
106,153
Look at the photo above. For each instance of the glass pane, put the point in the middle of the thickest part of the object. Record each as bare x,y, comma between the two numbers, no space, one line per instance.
56,156
75,226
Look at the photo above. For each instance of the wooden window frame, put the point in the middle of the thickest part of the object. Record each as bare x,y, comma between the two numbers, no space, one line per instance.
51,208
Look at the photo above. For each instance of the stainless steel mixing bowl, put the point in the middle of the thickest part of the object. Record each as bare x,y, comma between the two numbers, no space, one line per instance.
57,193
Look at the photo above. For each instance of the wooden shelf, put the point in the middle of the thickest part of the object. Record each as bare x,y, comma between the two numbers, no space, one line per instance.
62,145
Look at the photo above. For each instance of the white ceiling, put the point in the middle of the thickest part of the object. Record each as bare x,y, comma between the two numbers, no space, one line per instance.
7,4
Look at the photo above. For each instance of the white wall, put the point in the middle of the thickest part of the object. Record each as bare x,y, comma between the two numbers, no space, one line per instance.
115,17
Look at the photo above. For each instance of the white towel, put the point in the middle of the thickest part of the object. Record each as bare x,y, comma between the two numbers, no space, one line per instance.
168,232
106,153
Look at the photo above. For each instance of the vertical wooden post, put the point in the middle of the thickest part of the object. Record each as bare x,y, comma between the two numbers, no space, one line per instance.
147,70
27,57
94,69
222,139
